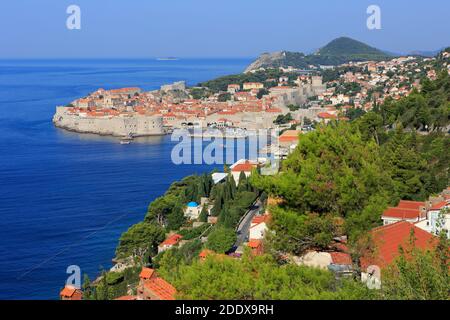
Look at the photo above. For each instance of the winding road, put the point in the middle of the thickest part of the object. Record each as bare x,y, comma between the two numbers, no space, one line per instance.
244,226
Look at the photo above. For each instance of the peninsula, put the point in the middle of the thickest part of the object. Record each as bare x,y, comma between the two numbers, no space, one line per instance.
267,95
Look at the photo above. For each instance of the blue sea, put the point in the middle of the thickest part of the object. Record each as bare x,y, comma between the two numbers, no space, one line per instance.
65,198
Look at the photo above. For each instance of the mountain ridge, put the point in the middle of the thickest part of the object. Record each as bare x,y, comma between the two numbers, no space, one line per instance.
338,51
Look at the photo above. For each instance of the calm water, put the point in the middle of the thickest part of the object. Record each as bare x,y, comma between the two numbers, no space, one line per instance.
65,198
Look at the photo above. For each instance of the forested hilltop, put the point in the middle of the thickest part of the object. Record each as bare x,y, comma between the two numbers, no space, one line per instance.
337,183
338,51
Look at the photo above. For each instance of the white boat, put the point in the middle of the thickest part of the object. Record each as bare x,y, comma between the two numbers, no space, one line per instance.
125,141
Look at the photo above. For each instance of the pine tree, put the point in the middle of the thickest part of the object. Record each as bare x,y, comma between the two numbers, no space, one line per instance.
218,202
242,182
203,214
86,287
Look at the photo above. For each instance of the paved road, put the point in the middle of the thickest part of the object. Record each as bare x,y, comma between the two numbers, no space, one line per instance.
244,226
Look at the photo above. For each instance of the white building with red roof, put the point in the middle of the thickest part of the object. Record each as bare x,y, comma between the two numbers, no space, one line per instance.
386,242
411,211
258,227
242,165
169,243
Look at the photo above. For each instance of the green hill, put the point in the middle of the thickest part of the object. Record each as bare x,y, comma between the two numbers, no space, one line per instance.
347,49
338,51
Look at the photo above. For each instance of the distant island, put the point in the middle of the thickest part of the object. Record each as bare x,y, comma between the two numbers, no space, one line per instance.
168,59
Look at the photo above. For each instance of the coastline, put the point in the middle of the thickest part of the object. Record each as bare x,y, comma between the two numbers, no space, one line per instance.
74,130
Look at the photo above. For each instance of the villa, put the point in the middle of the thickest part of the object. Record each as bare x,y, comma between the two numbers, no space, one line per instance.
192,210
169,243
152,287
387,240
245,166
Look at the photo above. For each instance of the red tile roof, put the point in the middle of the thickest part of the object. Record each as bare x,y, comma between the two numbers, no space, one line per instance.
172,240
410,204
439,206
254,244
68,291
326,115
388,239
146,273
161,288
402,213
246,167
260,219
290,133
341,258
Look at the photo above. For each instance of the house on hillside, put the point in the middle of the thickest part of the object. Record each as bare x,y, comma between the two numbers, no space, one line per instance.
71,293
152,287
192,210
233,88
411,211
386,241
253,85
169,243
289,139
245,166
258,227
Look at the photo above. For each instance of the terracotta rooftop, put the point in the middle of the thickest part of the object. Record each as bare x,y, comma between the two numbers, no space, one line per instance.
402,213
254,243
246,167
260,219
172,240
410,204
68,291
146,273
388,239
439,206
289,135
326,115
161,288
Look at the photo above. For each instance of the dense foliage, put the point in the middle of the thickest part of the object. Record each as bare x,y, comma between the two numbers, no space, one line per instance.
221,239
342,177
260,278
428,109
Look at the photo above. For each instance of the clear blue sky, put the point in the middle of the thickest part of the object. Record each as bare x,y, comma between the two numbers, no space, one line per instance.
213,28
